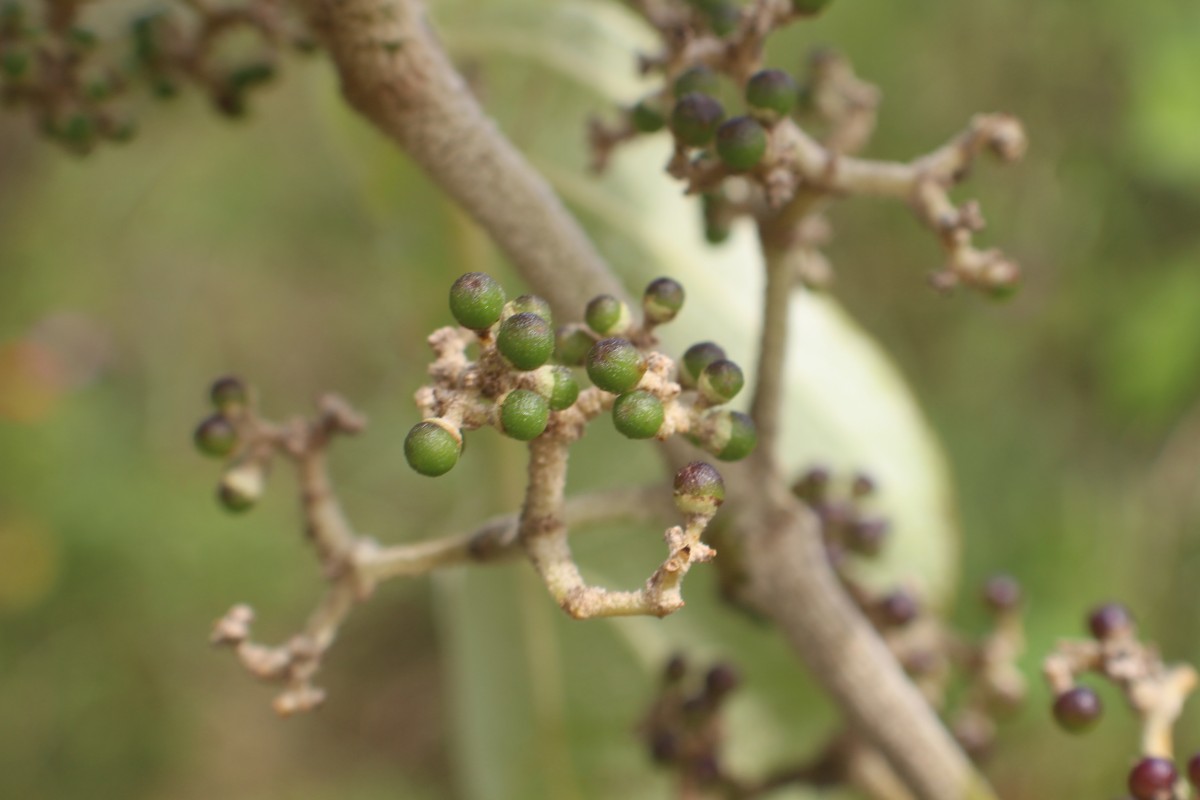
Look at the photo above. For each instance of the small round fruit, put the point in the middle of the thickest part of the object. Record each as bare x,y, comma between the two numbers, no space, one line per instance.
741,143
228,392
696,79
898,608
699,489
532,304
867,536
526,340
734,436
431,448
573,345
476,301
810,6
1153,779
1078,709
695,119
648,115
863,485
699,356
232,501
607,315
813,485
1110,621
773,91
524,414
638,415
566,389
675,669
215,437
615,365
662,300
720,381
723,18
1002,593
242,486
720,681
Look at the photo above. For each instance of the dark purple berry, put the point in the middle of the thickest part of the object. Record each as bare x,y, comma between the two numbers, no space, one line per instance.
1153,779
720,681
1078,709
1002,593
1193,770
867,536
1110,621
898,608
695,119
675,669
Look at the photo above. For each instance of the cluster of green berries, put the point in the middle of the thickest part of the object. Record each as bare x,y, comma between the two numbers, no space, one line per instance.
522,334
217,437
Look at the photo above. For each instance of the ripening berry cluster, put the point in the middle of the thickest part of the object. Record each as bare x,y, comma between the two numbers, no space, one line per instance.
526,375
80,88
219,435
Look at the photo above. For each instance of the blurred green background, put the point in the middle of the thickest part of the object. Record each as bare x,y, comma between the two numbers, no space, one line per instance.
298,250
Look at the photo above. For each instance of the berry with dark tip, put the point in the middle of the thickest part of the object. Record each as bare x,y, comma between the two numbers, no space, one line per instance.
1002,593
699,489
573,345
720,681
526,340
524,415
1153,778
1078,709
242,486
696,79
723,18
697,357
695,119
530,304
432,448
607,315
662,300
615,365
228,392
773,91
735,436
898,608
638,415
565,390
1110,621
215,436
648,115
741,143
476,301
720,381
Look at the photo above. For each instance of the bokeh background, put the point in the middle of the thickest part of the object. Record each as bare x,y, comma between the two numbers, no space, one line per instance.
298,250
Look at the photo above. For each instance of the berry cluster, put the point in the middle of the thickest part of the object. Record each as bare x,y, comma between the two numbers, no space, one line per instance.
1155,691
523,381
80,84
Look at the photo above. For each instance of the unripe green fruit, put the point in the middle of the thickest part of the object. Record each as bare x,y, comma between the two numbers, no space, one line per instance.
524,414
232,501
697,357
662,300
249,75
723,18
615,365
530,304
697,79
607,315
476,301
431,448
215,437
242,486
638,415
720,381
695,119
730,435
772,90
741,143
228,392
714,210
699,489
648,115
526,340
573,345
810,6
565,391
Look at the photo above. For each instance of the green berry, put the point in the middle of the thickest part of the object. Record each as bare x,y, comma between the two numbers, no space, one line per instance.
772,90
810,6
714,212
573,345
232,501
648,115
720,381
729,435
697,79
524,414
432,448
697,357
252,74
476,301
723,18
695,119
242,486
699,489
607,315
530,304
741,143
215,436
615,365
526,340
566,389
638,415
228,392
662,300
